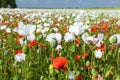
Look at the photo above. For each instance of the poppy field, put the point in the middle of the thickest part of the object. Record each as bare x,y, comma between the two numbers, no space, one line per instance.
59,44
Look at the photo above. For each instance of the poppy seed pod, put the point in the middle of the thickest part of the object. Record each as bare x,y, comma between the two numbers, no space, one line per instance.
114,39
25,49
38,50
38,38
53,43
6,52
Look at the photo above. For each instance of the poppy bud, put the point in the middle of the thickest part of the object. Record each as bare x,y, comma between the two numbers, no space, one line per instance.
53,43
41,78
37,39
87,63
51,30
107,74
51,69
95,75
117,77
1,61
23,38
93,71
15,77
38,51
25,49
6,52
1,45
19,70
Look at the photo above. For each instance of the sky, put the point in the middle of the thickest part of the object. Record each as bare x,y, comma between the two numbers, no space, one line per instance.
67,3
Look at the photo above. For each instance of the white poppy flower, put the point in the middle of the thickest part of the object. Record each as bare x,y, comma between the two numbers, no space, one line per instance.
3,27
55,29
69,37
59,47
118,22
56,36
92,40
60,18
22,42
100,39
20,57
26,31
76,29
43,19
46,25
98,53
1,18
8,30
89,39
38,29
31,37
71,75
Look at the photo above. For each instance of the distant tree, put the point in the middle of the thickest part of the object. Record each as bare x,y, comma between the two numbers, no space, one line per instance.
0,3
12,3
5,3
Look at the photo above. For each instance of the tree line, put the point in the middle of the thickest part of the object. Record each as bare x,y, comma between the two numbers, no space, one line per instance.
8,3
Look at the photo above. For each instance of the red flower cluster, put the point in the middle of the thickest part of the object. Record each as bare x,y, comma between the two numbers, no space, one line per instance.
60,62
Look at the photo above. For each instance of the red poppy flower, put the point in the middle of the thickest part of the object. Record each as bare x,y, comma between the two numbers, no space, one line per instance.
17,41
33,43
77,57
77,40
51,57
19,36
18,52
93,29
60,62
101,47
42,45
79,78
65,29
86,55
